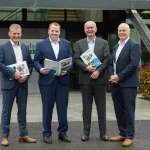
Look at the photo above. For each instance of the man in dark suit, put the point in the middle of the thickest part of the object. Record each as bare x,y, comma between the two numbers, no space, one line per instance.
13,84
93,80
53,89
123,71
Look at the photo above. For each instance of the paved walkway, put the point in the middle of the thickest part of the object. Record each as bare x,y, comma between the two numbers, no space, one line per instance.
34,110
34,115
141,141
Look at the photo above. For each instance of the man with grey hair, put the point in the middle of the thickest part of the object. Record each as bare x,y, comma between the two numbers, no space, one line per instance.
13,84
93,80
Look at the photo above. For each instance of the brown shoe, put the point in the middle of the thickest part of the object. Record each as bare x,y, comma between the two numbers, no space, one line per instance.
26,139
117,138
127,143
4,142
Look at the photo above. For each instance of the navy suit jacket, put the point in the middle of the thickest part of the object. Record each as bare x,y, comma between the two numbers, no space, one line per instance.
127,64
7,57
44,50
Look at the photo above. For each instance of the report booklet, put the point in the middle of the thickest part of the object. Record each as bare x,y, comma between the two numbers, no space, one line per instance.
57,67
89,58
20,67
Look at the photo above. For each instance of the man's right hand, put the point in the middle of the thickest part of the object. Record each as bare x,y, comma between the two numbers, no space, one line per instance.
90,68
44,70
17,75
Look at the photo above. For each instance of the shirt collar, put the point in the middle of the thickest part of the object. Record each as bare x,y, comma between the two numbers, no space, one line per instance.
52,41
13,44
92,40
124,42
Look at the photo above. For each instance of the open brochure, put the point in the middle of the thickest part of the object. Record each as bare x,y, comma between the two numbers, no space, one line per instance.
89,58
20,67
56,67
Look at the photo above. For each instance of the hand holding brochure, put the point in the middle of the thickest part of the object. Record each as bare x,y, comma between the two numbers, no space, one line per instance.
89,58
20,67
57,67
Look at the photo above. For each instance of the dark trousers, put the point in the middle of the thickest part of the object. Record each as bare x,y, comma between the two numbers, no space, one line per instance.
124,104
20,93
54,93
97,91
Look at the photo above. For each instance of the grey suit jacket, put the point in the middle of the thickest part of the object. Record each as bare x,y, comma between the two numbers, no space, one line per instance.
102,52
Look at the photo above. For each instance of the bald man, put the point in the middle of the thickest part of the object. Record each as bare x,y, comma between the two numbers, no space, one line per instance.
93,80
123,71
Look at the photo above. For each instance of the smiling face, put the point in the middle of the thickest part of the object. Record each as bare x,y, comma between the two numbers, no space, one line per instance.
123,31
90,29
54,32
15,35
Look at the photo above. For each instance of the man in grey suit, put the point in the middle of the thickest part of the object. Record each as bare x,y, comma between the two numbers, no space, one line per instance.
93,80
13,84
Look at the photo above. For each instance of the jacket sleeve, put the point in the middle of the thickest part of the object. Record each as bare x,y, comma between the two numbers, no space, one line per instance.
3,68
103,67
37,58
70,55
29,62
79,63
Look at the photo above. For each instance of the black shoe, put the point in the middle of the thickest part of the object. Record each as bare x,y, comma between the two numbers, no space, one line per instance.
64,138
84,137
47,139
104,138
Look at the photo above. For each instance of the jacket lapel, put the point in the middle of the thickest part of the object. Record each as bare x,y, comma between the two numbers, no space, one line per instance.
23,52
61,48
96,45
85,44
50,48
12,51
124,48
114,52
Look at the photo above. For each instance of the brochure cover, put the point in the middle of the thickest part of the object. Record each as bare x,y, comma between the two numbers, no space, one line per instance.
89,58
56,67
20,67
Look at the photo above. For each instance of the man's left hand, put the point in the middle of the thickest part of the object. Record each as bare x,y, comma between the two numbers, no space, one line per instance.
63,73
114,79
22,79
95,75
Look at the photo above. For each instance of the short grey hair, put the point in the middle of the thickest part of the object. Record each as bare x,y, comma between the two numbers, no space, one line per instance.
15,26
90,22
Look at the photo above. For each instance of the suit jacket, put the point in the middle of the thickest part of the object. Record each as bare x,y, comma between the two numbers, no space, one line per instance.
7,57
101,50
127,64
44,50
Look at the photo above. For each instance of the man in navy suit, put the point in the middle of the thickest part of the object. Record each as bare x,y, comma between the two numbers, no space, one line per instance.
123,71
13,84
53,89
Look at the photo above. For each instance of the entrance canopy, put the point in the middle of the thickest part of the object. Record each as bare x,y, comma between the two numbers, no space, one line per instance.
78,4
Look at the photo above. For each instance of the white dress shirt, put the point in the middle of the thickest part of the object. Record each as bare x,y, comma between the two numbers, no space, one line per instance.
91,44
55,47
120,47
17,51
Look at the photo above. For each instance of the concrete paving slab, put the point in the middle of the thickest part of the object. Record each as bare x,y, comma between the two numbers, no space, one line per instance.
141,141
34,109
